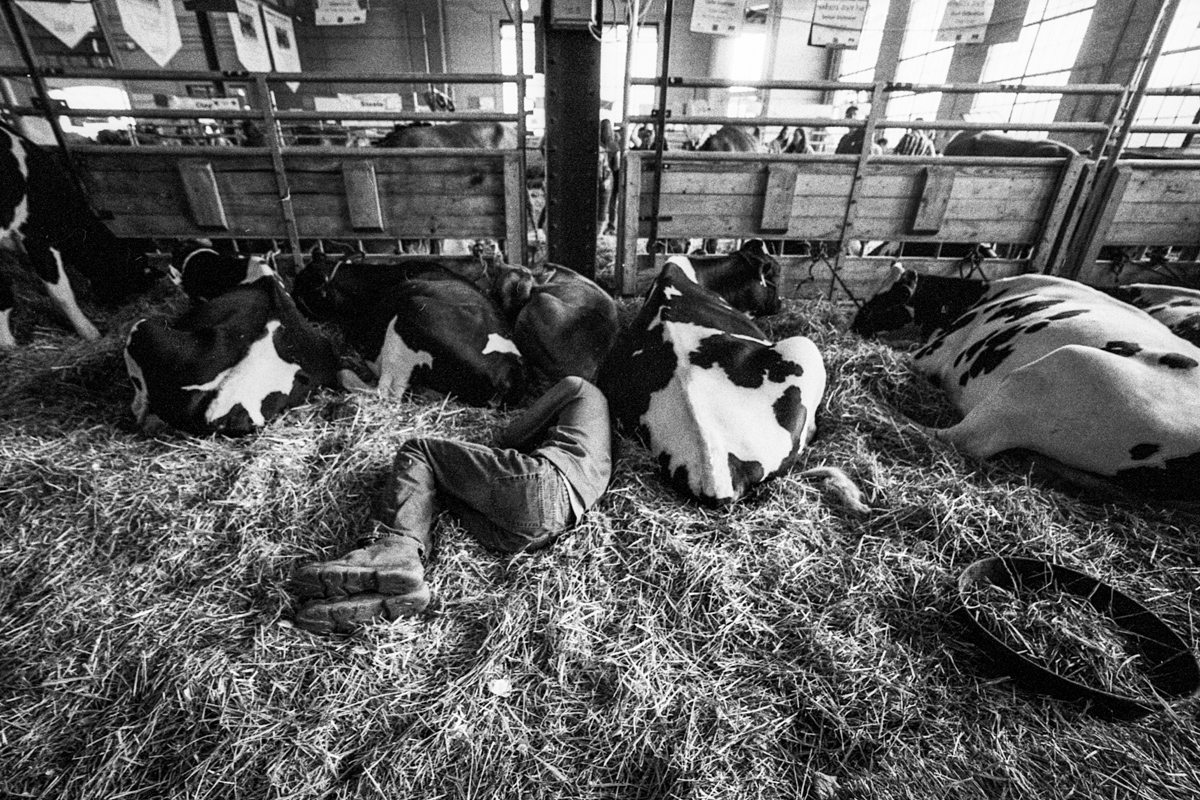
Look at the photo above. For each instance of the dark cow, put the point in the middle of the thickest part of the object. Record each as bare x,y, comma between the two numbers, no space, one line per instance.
999,145
732,139
563,323
478,135
47,222
204,273
1174,306
230,365
1105,393
719,406
747,278
417,324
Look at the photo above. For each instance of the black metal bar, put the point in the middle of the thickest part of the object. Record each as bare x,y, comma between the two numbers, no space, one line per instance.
572,145
271,77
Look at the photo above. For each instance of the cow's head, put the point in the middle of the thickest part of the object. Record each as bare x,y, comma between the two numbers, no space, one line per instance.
891,307
760,296
314,290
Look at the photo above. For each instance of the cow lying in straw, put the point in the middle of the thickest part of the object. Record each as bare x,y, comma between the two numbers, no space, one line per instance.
721,407
1105,394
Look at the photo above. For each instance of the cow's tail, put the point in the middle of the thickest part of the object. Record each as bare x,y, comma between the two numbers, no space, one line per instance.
841,486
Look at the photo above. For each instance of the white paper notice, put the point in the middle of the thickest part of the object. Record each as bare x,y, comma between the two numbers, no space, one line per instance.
723,17
281,38
341,12
152,24
69,22
838,22
249,38
965,21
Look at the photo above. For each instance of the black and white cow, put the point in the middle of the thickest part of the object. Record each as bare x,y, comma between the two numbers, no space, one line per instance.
1102,390
563,323
417,324
203,273
1174,306
747,278
718,405
46,220
229,365
470,135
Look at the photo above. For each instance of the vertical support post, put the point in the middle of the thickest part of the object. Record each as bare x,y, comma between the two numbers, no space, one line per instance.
660,124
275,142
572,145
519,249
624,228
860,173
209,43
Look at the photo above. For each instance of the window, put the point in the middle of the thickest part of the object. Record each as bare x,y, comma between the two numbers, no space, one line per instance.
923,59
612,72
535,86
1177,65
1044,54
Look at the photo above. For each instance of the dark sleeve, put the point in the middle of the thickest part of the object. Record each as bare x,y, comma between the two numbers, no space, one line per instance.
527,431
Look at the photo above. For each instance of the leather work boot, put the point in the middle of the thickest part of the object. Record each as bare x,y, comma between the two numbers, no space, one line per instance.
384,578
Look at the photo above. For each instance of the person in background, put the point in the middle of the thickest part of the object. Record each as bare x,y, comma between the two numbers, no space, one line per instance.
545,471
852,141
915,142
610,153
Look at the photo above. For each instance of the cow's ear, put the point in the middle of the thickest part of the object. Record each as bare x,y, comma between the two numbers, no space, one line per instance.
756,246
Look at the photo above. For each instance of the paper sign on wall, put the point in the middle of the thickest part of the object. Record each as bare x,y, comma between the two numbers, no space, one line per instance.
152,24
249,38
838,22
281,38
69,22
723,17
206,103
341,12
965,21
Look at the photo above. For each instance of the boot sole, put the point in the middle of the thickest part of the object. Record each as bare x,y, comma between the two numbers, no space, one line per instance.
349,614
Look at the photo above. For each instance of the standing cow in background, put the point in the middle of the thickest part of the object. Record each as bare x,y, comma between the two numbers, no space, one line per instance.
46,220
732,139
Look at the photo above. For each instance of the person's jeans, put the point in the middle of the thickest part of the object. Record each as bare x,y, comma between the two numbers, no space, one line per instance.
507,500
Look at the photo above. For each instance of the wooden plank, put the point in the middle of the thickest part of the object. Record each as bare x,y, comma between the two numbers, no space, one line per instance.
1113,193
203,197
462,165
631,197
362,195
1155,186
777,202
934,186
1174,232
1134,213
514,205
1054,233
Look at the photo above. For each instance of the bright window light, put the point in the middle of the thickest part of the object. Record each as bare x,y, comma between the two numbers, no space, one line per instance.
749,54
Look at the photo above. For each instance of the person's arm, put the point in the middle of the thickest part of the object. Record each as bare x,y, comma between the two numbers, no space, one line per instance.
527,430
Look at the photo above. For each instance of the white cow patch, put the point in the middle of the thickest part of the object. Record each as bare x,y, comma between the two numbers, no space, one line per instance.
396,362
249,382
701,417
685,264
62,295
498,344
141,396
6,336
21,212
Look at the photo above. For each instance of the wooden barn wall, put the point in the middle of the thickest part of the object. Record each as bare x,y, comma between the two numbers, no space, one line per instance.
393,39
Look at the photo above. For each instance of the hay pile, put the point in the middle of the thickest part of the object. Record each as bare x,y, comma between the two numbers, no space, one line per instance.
781,648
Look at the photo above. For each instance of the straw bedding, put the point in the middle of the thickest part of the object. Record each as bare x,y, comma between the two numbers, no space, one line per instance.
780,648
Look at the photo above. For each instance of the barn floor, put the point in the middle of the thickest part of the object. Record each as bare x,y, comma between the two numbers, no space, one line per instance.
781,648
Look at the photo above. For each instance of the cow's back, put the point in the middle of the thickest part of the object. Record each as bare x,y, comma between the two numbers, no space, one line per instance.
461,135
995,145
720,407
567,326
731,139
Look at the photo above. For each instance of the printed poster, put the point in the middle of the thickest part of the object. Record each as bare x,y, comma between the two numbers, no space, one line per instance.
965,21
721,17
341,12
69,22
281,39
152,24
838,22
249,37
